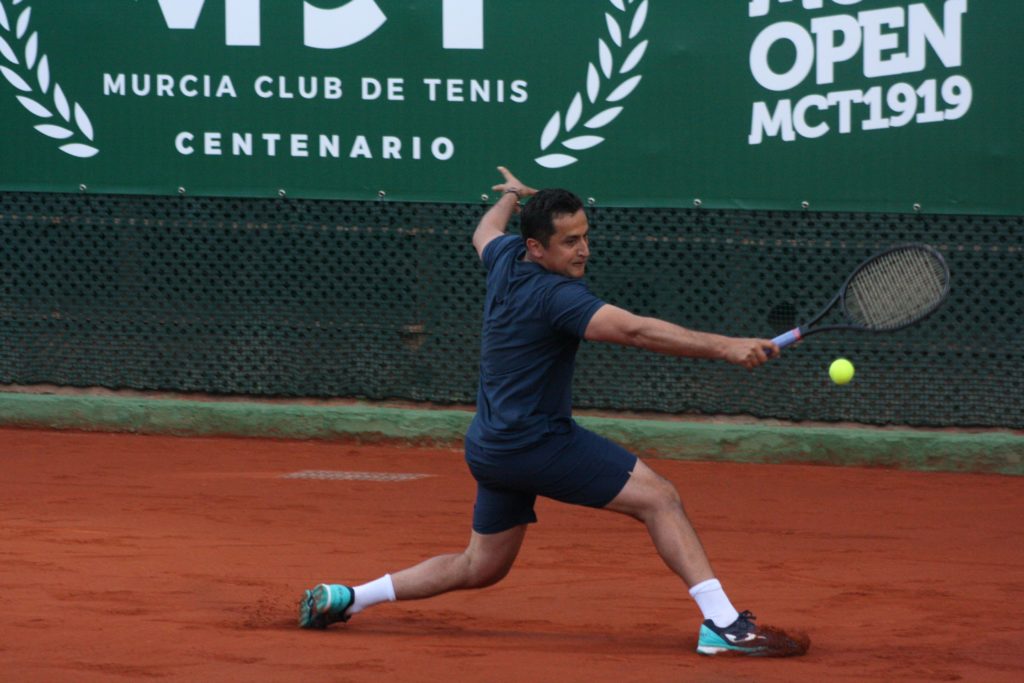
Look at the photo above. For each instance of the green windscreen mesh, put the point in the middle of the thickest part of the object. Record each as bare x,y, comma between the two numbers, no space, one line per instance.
381,300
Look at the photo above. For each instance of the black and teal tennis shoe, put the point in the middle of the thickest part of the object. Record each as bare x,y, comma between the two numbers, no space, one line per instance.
743,637
325,604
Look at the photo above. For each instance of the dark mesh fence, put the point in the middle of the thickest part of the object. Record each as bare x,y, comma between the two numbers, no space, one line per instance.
381,300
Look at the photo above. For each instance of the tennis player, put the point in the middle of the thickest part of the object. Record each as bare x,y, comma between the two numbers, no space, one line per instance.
523,441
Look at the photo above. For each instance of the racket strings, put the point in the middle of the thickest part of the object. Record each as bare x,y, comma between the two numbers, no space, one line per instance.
896,289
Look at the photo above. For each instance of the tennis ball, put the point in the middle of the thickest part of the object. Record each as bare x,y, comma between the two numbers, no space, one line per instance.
841,371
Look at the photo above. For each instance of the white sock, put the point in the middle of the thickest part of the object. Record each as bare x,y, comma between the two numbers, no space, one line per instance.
713,603
369,594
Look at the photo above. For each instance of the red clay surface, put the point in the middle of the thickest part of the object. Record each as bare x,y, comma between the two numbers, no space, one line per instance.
137,557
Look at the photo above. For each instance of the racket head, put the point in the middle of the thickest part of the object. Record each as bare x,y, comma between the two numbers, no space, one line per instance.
895,288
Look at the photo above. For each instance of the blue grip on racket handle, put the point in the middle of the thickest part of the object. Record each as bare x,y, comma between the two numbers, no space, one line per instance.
787,338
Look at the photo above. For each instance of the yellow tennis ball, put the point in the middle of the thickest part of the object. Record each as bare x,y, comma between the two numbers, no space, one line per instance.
841,371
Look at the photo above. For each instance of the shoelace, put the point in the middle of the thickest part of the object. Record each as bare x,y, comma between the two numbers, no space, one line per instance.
745,621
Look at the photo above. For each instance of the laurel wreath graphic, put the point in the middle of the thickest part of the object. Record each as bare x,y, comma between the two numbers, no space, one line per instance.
560,128
37,69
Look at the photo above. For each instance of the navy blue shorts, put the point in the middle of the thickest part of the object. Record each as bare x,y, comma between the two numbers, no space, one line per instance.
578,467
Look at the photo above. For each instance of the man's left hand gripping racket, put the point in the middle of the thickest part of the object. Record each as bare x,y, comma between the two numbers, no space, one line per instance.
893,289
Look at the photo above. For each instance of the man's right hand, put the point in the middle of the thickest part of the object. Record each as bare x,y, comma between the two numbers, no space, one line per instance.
749,353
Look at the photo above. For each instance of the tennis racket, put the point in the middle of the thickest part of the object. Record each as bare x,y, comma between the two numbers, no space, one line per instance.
894,288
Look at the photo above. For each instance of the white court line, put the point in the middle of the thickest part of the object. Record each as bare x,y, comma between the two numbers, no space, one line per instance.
354,476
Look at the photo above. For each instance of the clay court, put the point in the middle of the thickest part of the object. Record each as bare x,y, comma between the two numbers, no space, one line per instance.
130,557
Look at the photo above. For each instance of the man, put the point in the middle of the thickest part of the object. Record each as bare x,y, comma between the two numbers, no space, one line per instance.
523,441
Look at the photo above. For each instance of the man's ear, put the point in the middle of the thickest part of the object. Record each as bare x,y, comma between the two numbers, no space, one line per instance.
534,248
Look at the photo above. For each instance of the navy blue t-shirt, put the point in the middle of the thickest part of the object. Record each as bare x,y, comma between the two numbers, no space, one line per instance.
533,322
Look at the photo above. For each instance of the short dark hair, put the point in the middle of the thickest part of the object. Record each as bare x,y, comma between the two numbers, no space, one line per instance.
537,219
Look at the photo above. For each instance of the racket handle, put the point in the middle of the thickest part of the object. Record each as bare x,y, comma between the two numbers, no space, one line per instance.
787,338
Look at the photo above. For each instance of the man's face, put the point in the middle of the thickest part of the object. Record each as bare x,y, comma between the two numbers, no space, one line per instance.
569,247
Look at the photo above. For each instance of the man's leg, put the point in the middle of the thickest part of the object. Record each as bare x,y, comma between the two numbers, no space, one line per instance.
653,500
485,561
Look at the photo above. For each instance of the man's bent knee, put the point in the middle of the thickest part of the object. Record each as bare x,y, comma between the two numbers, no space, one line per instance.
482,575
489,558
646,493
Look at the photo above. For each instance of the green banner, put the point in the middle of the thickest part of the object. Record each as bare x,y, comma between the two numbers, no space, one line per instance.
878,105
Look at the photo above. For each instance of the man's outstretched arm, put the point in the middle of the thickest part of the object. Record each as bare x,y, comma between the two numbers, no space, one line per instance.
495,221
619,326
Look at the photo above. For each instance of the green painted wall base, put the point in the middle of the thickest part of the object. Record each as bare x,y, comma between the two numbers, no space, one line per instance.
993,452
